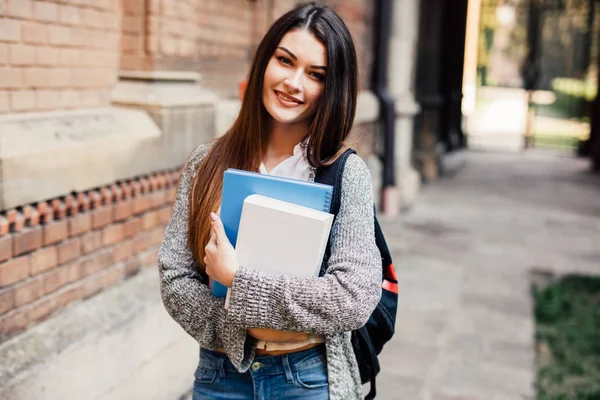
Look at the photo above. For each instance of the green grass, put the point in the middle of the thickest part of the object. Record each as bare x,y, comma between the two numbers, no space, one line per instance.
555,141
567,314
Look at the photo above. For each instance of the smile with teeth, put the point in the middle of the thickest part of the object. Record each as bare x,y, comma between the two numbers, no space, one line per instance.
287,98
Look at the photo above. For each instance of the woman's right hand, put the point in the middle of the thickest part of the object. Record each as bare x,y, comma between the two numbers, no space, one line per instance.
271,335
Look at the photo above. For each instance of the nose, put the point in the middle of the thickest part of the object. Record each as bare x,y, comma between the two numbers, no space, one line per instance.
292,82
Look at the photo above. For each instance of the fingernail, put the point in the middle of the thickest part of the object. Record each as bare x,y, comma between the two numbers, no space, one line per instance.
213,217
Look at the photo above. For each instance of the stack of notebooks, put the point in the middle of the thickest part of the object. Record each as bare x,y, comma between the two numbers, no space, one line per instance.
277,225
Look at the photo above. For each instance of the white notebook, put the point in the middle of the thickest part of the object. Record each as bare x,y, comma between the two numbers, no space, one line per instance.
278,237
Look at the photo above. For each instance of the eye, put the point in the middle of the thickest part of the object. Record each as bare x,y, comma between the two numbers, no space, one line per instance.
284,60
318,76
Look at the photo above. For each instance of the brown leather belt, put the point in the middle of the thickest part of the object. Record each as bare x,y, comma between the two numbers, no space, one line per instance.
263,352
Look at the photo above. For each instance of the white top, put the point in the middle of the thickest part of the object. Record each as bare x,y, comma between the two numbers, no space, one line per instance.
295,167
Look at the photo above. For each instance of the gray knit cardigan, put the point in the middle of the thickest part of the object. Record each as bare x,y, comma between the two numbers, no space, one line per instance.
331,305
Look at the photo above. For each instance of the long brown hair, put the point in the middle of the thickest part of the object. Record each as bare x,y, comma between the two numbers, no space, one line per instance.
243,145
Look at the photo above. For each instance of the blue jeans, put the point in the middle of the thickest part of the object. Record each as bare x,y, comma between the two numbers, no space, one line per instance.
292,376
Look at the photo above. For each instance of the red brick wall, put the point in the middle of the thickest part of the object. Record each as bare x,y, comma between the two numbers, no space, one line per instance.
177,34
218,37
212,37
57,54
68,249
358,16
66,54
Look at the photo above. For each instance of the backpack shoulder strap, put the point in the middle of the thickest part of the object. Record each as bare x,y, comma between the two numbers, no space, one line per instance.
332,175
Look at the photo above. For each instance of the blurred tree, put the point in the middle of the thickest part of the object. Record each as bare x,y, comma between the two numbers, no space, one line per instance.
487,26
566,40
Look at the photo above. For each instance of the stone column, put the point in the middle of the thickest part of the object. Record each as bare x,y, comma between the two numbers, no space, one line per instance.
180,107
594,140
401,77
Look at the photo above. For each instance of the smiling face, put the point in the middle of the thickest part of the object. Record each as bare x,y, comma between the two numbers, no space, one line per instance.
295,78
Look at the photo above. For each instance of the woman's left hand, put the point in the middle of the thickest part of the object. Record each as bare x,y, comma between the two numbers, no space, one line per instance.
220,259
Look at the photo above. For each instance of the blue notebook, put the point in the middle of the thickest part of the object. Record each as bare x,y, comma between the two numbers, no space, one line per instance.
237,185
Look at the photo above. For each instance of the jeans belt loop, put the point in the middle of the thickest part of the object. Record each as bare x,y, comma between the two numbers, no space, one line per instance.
286,366
221,365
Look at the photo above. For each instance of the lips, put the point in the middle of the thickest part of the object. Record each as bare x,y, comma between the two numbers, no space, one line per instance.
286,99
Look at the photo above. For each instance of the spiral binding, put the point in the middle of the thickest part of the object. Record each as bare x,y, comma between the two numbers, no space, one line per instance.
328,197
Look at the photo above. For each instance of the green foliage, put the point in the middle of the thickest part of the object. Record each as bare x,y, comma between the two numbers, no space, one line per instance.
487,26
568,339
575,88
572,98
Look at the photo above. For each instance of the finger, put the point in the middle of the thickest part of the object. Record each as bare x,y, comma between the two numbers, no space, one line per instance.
212,241
217,226
210,247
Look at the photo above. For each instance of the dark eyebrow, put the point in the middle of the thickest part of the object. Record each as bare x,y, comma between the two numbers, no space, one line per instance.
296,58
289,52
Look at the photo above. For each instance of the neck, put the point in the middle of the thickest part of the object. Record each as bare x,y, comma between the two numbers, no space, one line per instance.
284,137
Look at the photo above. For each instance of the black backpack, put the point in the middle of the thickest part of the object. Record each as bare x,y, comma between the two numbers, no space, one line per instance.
367,341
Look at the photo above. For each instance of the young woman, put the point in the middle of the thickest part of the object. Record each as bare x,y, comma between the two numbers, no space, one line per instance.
282,337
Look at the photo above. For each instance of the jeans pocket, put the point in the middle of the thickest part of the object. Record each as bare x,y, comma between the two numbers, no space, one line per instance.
203,375
313,377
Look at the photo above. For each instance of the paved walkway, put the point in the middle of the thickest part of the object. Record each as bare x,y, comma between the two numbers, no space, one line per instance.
464,255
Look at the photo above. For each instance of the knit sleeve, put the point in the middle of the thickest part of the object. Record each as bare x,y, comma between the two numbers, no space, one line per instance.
185,293
341,300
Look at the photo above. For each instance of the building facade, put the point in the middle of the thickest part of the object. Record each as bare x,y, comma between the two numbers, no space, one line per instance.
102,101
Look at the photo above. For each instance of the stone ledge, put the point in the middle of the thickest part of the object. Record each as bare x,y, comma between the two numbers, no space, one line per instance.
182,76
226,111
121,344
161,93
45,155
